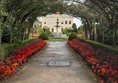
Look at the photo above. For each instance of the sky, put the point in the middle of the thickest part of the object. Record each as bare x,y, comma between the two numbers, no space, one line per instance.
77,22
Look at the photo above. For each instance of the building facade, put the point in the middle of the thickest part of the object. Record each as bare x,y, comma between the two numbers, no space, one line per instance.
64,21
37,24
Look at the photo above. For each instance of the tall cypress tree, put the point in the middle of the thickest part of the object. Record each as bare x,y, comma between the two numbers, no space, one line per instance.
74,27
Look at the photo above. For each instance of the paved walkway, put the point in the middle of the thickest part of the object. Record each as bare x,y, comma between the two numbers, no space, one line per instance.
37,70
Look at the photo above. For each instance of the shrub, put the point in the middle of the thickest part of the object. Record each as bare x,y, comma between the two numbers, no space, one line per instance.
40,30
74,26
73,35
9,48
6,34
44,36
69,33
49,33
1,53
65,31
27,41
16,40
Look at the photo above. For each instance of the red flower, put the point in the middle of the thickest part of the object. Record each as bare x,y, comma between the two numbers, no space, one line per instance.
102,63
9,67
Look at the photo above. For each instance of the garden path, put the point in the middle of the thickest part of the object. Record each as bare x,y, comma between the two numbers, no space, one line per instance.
38,71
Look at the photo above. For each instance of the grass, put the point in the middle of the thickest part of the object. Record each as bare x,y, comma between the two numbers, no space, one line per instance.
57,40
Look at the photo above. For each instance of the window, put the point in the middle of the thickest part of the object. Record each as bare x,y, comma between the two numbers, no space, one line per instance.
65,22
52,30
69,22
35,26
44,22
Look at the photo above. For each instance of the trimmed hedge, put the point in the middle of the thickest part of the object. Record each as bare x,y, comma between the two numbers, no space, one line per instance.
40,30
44,36
4,51
73,35
100,45
25,42
49,33
1,53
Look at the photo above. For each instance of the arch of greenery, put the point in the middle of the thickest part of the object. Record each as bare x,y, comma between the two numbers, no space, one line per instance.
99,17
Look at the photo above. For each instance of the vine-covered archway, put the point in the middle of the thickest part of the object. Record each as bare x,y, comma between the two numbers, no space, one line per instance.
99,18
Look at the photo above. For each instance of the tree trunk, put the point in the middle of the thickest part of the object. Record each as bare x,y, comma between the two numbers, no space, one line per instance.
113,36
86,35
28,33
95,33
0,35
11,36
103,37
0,31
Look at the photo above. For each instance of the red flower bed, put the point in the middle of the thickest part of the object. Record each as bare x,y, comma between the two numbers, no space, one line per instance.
104,64
9,66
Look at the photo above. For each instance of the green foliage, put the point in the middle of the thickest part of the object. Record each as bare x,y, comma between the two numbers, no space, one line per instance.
68,31
117,38
22,14
49,33
45,28
9,48
2,8
5,51
73,35
5,34
44,36
40,30
68,34
16,40
100,45
1,53
80,29
27,41
65,31
74,27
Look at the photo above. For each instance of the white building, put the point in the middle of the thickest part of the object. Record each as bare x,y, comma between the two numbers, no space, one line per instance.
36,24
65,21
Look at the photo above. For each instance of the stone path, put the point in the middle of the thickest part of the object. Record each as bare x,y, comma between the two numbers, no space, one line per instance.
38,69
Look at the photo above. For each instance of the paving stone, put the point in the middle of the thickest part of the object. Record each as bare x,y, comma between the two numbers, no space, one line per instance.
58,63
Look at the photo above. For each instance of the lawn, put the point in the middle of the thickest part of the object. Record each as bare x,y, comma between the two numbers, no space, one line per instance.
57,40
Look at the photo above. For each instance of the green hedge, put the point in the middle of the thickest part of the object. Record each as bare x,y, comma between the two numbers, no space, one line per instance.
4,51
100,45
43,36
73,35
1,53
25,42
